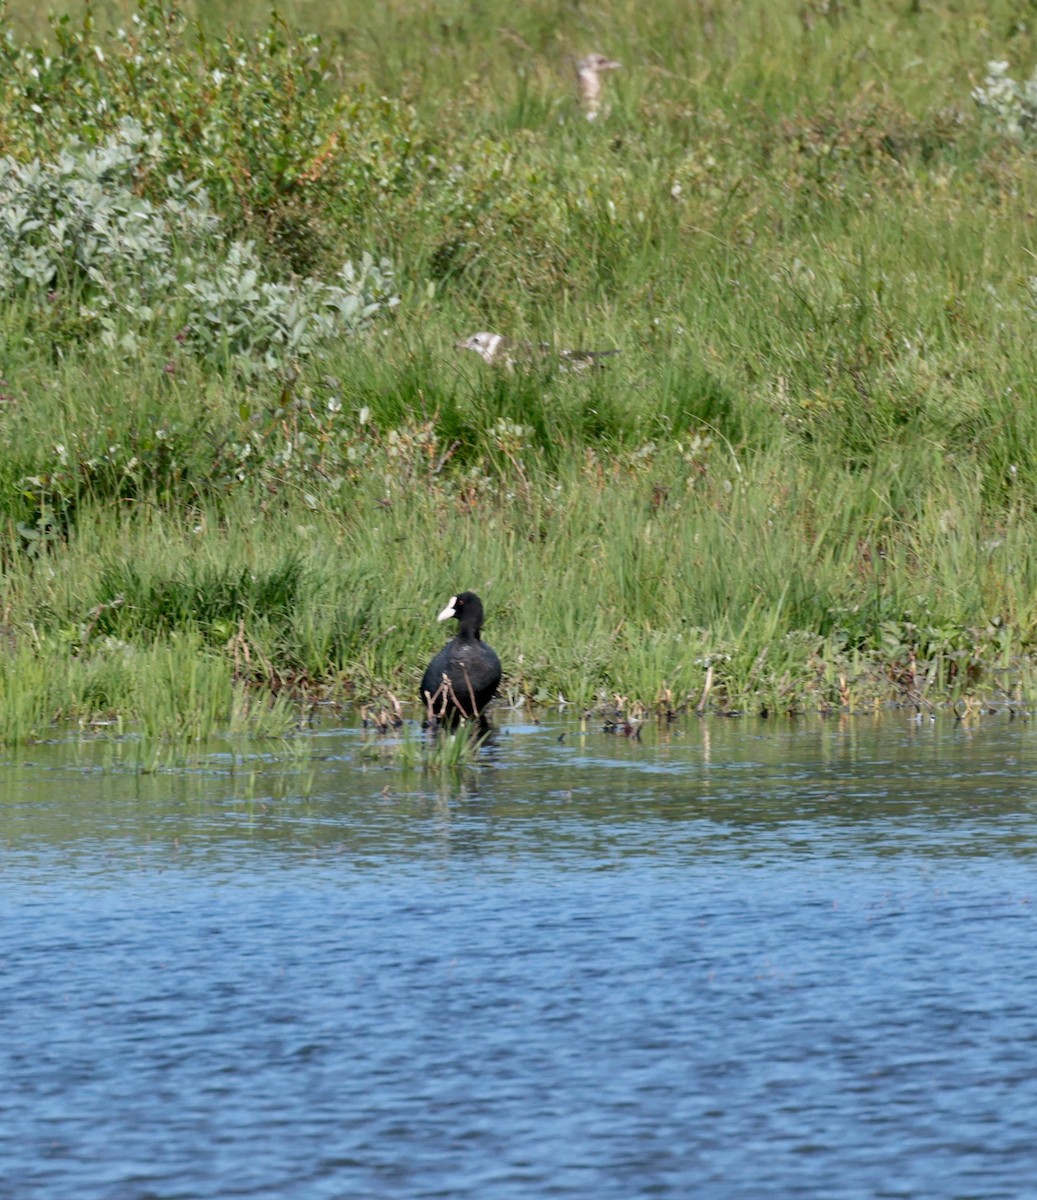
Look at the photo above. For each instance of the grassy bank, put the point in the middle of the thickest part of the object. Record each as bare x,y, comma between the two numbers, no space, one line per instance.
808,480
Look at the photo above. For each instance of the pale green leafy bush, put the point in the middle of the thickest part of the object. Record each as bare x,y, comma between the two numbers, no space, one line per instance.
261,119
1011,105
237,311
74,234
74,230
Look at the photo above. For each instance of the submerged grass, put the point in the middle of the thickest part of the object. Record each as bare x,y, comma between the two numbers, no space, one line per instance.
432,752
808,481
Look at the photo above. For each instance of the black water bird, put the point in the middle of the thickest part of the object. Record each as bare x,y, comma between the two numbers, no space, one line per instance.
463,677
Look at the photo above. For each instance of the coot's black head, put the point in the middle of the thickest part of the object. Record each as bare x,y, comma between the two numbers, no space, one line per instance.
467,608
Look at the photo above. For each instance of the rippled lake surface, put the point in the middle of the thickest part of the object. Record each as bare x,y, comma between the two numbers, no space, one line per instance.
732,959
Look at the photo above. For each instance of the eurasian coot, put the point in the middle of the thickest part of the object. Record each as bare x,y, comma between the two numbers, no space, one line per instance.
463,677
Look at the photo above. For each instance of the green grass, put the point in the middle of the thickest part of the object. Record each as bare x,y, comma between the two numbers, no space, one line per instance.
809,479
432,753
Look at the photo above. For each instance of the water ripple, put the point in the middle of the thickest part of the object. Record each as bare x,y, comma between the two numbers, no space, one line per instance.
767,966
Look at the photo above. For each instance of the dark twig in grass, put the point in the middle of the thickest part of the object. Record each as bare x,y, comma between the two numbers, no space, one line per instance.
707,687
95,615
471,691
439,702
383,718
445,457
664,702
242,649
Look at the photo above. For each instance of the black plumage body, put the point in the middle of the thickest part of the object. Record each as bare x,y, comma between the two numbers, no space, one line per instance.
463,677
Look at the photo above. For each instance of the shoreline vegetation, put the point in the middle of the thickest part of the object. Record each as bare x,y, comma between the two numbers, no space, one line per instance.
243,464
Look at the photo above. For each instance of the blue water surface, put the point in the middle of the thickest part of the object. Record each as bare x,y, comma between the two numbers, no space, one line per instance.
724,960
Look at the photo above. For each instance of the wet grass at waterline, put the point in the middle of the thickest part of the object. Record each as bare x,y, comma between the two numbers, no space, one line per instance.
643,583
807,482
164,689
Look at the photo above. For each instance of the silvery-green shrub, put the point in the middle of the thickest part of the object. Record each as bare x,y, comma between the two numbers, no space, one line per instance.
75,231
261,323
260,118
1011,105
77,223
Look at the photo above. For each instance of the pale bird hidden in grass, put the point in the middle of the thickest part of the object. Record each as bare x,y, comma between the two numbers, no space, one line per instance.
588,75
464,676
499,351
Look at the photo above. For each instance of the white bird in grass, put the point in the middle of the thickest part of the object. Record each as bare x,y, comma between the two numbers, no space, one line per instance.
588,74
497,350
